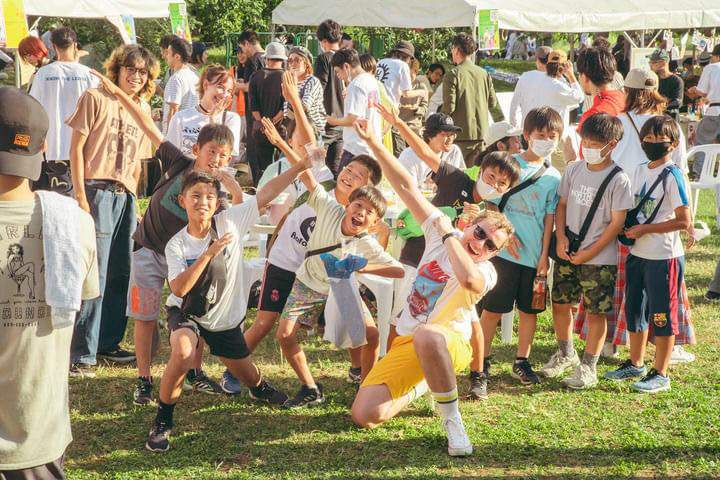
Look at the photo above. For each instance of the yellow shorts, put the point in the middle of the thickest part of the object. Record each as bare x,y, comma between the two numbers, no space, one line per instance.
400,369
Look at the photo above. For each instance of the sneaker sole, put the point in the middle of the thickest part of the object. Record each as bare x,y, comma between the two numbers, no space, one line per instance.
123,360
624,378
678,361
265,401
156,449
584,387
150,402
230,392
524,382
460,452
82,375
657,390
314,403
477,397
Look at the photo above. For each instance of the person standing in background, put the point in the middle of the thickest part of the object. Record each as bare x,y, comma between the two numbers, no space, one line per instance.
671,86
181,90
254,61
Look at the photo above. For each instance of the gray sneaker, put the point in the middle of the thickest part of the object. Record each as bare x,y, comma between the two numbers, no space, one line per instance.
653,382
626,370
581,378
558,364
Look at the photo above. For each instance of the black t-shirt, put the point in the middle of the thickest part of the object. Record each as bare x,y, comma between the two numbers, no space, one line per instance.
164,216
454,188
672,89
332,86
252,65
266,92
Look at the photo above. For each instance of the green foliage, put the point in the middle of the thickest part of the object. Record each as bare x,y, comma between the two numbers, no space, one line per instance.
211,20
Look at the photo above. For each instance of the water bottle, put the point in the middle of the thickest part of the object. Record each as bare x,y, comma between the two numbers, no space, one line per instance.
539,292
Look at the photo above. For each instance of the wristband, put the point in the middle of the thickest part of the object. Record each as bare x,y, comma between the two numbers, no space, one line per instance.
447,235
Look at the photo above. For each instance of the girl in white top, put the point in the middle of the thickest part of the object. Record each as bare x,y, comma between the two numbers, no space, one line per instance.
562,92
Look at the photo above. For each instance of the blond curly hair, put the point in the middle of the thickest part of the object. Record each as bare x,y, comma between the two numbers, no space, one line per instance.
131,55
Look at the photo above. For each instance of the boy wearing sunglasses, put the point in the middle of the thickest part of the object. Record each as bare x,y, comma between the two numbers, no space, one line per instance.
434,329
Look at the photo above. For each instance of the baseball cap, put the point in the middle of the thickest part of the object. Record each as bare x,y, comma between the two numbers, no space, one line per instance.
557,56
303,52
441,122
659,55
275,51
703,58
403,46
641,79
500,130
542,52
23,127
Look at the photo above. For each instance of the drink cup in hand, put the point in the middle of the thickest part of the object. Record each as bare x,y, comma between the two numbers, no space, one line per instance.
316,154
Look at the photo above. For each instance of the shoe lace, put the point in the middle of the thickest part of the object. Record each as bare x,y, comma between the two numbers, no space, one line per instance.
626,365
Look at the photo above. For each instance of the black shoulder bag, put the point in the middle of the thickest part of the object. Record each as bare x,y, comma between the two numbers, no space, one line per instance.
575,240
208,289
631,218
517,188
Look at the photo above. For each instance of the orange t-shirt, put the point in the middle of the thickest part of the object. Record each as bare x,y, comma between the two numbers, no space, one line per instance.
115,144
238,100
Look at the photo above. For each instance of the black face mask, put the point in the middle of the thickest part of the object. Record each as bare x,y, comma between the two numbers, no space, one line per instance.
655,151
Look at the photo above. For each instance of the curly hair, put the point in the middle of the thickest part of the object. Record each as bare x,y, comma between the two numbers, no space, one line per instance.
131,55
465,43
497,220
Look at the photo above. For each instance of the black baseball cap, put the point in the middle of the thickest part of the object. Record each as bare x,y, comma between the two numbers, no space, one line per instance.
441,122
23,128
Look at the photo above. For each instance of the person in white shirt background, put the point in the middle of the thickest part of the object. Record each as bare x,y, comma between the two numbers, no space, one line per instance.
181,89
525,97
58,86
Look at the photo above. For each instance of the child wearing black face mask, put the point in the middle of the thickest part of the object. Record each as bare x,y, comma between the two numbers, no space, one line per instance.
654,268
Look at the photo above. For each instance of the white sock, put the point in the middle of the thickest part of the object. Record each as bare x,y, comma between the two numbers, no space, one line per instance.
447,403
416,392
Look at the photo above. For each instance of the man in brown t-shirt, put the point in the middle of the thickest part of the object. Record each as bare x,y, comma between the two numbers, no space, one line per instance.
106,150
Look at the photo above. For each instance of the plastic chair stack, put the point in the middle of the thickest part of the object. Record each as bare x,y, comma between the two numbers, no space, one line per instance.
709,177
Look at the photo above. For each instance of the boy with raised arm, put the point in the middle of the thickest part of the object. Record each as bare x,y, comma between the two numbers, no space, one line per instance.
454,274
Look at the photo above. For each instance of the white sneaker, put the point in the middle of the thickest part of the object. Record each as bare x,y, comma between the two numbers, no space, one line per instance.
609,351
582,377
557,365
458,442
680,355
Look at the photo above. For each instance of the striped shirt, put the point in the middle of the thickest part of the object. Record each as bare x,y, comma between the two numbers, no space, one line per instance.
311,95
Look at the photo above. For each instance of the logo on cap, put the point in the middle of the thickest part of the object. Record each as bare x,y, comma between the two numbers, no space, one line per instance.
21,140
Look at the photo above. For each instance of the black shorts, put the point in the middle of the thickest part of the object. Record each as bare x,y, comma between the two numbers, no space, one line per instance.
51,470
276,286
225,343
514,286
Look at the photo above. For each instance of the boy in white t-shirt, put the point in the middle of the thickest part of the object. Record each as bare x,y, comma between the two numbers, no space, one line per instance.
654,268
207,293
181,90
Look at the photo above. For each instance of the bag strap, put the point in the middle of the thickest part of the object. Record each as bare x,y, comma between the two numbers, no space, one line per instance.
596,202
330,248
517,188
632,122
661,178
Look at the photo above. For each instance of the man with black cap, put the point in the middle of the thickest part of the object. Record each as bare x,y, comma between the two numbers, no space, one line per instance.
49,267
670,85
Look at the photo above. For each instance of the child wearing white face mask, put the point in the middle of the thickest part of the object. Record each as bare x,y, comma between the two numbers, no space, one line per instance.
530,206
587,266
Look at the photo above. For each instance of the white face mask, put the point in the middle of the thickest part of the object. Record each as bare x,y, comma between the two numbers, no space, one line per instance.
543,148
593,156
486,191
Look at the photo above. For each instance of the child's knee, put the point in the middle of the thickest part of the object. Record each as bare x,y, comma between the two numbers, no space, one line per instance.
372,334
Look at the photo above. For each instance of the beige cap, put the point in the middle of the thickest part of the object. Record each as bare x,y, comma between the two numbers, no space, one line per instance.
641,79
557,56
500,130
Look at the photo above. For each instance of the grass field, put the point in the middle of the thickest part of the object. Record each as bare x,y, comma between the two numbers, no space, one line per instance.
542,431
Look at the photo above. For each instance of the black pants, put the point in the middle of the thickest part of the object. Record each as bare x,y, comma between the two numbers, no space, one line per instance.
55,176
333,142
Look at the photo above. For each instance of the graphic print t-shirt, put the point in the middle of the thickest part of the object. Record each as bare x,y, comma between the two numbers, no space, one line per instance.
185,127
395,75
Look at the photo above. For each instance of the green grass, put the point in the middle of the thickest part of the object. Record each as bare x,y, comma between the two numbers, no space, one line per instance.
542,431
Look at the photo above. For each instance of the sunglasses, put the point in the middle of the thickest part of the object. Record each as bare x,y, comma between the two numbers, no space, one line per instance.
480,234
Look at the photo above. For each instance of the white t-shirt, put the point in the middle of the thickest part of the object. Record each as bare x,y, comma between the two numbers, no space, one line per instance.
291,243
58,86
180,90
628,153
524,97
433,274
395,75
185,127
436,101
709,84
541,90
183,250
658,246
419,170
360,100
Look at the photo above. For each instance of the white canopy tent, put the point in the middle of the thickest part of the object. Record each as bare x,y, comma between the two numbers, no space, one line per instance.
549,16
98,8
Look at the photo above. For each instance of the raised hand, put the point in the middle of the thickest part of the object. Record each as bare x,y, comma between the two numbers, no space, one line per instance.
390,116
364,129
290,87
218,245
107,84
271,132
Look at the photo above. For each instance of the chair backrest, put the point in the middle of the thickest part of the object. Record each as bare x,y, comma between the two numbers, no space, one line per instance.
710,152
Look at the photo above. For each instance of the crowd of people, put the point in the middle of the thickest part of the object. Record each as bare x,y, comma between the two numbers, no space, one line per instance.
500,215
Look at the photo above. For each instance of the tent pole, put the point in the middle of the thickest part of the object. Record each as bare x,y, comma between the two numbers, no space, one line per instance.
17,69
655,37
629,39
433,44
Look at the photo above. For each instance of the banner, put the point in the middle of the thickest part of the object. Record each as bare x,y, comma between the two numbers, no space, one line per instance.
488,33
126,26
13,24
179,21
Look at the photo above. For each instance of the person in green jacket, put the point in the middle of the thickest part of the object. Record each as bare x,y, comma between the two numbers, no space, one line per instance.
468,94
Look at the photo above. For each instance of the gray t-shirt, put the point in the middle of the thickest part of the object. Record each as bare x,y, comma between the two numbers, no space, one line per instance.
579,186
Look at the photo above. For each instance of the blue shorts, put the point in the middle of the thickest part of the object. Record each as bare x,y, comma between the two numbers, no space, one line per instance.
652,294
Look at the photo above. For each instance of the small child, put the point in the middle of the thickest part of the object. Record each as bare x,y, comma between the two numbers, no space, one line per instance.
655,266
592,270
531,211
191,259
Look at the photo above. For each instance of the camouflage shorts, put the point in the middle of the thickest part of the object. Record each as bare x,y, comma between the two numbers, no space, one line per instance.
595,283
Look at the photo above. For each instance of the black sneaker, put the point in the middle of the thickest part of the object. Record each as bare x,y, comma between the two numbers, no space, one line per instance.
143,392
478,386
159,437
82,370
268,394
712,296
202,383
524,372
306,397
118,355
354,375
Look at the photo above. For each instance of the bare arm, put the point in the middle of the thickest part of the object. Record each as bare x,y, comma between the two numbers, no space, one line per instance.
462,265
185,281
680,222
417,144
77,168
274,137
347,121
383,270
278,184
172,110
292,95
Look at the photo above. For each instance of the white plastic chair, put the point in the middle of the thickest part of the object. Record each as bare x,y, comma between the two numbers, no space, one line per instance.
708,178
382,288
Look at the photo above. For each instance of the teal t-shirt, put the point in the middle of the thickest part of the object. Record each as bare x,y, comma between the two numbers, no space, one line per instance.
526,211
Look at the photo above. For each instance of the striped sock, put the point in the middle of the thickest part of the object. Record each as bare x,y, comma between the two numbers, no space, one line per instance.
447,403
416,392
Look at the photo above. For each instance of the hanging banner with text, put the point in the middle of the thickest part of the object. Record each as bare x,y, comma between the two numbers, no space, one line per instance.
488,37
13,24
179,21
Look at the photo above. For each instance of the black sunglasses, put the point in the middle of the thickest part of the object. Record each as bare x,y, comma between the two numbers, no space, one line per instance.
481,234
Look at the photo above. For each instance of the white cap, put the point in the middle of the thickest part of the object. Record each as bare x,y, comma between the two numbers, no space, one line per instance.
500,130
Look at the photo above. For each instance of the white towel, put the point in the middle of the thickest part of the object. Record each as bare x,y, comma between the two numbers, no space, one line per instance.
63,263
344,315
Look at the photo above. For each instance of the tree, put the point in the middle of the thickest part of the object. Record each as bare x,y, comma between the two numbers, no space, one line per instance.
213,19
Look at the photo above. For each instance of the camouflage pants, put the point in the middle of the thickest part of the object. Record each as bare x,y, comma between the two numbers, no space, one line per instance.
594,283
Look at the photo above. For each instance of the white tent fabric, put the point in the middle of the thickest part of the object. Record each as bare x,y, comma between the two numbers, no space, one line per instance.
98,8
548,16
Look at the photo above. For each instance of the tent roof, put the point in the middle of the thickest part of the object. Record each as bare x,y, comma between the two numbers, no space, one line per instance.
98,8
548,16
